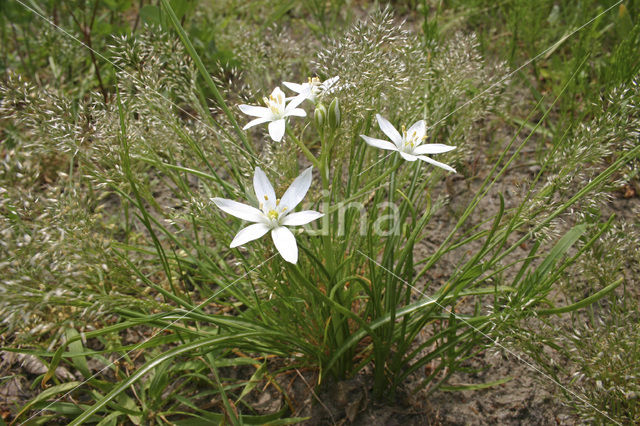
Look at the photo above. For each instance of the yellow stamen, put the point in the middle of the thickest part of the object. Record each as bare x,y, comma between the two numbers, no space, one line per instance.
277,201
266,198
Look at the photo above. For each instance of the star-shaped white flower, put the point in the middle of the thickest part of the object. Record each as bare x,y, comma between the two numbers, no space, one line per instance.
273,214
274,113
312,89
409,145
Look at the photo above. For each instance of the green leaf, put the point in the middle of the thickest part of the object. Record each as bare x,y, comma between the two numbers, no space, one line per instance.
180,7
110,420
47,393
253,381
150,14
160,380
76,348
278,13
207,418
131,406
560,249
582,303
150,365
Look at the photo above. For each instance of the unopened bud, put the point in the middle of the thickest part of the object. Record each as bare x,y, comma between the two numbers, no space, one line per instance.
334,114
320,115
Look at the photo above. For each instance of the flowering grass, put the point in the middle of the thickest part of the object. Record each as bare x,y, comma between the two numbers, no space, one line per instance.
154,180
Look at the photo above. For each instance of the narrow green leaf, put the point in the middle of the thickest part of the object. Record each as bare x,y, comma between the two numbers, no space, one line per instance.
582,303
560,249
76,348
253,381
48,393
150,365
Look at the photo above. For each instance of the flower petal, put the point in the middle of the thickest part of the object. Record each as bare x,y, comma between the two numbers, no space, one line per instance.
276,129
389,130
256,122
263,188
239,210
408,157
301,218
379,143
285,243
298,112
297,190
298,88
437,163
420,127
256,111
278,94
250,233
432,148
277,99
293,103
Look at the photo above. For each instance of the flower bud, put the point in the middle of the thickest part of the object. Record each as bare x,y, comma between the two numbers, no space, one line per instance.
334,114
320,115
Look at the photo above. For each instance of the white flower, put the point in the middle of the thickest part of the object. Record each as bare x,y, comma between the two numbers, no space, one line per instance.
273,215
312,89
409,145
274,113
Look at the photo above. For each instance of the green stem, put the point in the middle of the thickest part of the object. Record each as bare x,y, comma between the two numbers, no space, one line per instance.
304,149
339,324
324,173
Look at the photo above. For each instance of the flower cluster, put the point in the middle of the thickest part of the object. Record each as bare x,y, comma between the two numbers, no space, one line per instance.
277,109
274,214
